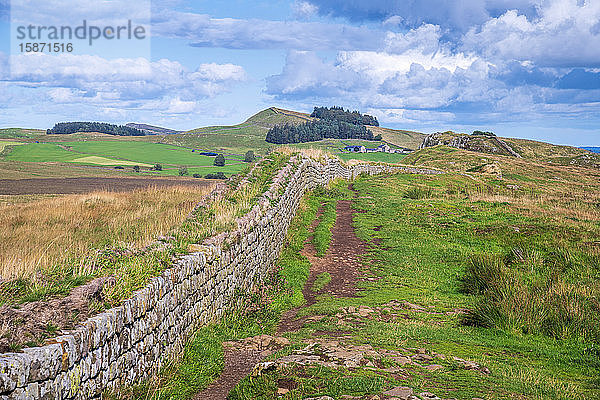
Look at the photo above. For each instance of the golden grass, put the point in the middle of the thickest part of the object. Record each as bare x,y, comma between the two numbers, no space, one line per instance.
41,233
106,161
311,152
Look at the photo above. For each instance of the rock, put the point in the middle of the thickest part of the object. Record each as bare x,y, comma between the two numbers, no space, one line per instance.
402,360
433,367
414,307
262,367
400,392
282,391
428,396
281,341
422,357
319,398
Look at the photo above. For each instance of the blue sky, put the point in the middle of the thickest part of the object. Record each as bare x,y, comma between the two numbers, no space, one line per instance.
521,68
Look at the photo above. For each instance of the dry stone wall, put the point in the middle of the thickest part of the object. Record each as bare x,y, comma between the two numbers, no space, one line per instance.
129,343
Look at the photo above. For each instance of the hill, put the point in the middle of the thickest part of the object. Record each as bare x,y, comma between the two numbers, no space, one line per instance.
485,143
151,129
539,152
251,134
406,139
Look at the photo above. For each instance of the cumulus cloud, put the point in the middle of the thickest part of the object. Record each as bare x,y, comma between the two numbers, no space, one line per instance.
204,31
304,9
458,14
137,83
563,35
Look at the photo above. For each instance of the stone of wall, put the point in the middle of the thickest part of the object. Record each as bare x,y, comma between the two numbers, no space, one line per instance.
129,343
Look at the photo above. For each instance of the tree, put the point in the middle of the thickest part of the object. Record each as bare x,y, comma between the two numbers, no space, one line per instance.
249,157
316,130
157,167
183,171
110,129
377,137
219,161
136,168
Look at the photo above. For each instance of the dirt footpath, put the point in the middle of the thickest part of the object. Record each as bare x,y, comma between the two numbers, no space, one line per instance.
342,261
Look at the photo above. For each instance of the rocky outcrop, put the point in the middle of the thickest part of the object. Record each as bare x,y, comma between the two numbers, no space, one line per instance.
129,343
482,144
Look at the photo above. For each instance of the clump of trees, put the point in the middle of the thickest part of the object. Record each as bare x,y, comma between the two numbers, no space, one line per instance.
317,130
339,114
64,128
219,161
183,171
249,157
157,167
218,175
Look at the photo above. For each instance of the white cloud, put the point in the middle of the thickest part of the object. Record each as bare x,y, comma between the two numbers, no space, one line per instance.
562,36
163,86
304,9
178,106
459,15
204,31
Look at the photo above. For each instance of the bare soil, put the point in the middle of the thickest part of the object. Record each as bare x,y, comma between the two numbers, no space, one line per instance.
38,320
86,185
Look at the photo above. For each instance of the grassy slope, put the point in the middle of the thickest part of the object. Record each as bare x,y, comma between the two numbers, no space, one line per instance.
559,155
424,246
233,141
129,152
408,139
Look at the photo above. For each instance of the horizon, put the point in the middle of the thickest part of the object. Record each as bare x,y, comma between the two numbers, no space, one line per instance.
520,68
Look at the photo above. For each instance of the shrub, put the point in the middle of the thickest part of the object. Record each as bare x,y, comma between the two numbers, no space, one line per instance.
526,293
219,160
378,137
197,176
119,167
157,167
183,171
249,157
136,168
417,193
218,175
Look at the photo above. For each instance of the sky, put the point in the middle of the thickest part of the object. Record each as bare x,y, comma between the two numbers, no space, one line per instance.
519,68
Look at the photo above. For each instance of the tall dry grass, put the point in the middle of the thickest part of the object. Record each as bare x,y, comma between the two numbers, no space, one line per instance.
46,232
311,152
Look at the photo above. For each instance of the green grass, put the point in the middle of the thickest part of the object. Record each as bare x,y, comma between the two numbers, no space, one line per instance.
19,133
124,153
426,244
321,281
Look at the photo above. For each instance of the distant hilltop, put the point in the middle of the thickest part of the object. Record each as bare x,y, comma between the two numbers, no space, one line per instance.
152,130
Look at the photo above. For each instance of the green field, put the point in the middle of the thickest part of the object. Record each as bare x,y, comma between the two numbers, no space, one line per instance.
124,153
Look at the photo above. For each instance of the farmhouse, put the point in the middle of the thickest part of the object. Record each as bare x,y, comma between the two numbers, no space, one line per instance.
356,149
